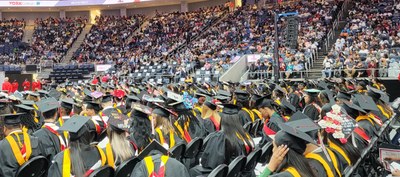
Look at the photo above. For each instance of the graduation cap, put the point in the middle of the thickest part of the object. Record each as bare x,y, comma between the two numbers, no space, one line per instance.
312,92
224,93
75,126
24,108
43,93
106,98
12,119
279,88
27,102
286,105
139,110
353,106
210,105
120,123
161,111
365,102
222,98
343,95
55,94
153,146
255,97
119,93
67,103
378,94
132,97
293,138
263,102
302,122
242,95
202,93
32,93
230,109
323,85
93,105
47,105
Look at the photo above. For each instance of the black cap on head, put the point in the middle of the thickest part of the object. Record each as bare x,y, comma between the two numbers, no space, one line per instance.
67,103
287,106
27,102
230,109
242,95
24,108
43,93
153,146
107,98
222,99
47,105
132,98
210,105
293,138
202,93
302,122
378,94
348,104
32,93
343,95
312,92
120,123
161,111
264,102
280,89
93,105
224,93
365,102
141,111
76,126
12,119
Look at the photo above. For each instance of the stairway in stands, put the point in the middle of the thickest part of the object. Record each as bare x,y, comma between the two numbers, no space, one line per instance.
28,33
77,43
315,71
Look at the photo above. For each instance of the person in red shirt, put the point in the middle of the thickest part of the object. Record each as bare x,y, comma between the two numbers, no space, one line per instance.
95,80
15,86
36,85
104,79
7,85
26,84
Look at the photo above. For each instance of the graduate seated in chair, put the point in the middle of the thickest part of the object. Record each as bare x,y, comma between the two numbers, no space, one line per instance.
225,145
81,159
17,147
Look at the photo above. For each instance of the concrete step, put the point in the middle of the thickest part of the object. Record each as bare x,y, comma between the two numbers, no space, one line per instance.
28,33
75,46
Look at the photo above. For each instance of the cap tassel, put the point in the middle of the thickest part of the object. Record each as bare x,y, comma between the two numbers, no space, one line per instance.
353,139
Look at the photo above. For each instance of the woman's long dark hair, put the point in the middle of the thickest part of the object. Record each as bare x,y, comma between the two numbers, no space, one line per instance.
76,146
194,124
231,127
28,121
353,153
299,162
141,132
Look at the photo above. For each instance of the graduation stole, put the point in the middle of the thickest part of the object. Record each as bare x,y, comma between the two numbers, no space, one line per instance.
36,115
97,126
216,123
376,119
383,111
267,130
171,137
258,113
22,152
101,114
110,155
376,86
150,166
53,129
277,101
194,112
248,147
335,162
66,135
365,117
293,172
317,106
250,113
66,167
362,133
340,151
184,131
322,161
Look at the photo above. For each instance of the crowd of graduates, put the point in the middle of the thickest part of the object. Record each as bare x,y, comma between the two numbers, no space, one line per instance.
305,128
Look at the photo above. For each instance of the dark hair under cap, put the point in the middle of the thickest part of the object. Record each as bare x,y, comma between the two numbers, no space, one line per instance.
210,105
291,141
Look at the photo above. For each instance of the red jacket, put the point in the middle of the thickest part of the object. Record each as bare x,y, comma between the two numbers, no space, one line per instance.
26,85
15,86
35,86
104,79
95,81
7,86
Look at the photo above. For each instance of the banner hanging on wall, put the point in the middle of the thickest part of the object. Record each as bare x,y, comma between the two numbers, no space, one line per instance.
63,3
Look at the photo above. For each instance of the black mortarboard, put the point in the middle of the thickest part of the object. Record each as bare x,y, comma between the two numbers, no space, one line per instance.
139,110
224,93
279,88
263,102
27,102
343,95
32,93
67,103
223,99
75,126
312,92
132,98
323,85
47,104
210,105
255,97
286,105
293,138
153,146
107,98
12,119
43,93
302,122
353,106
93,105
242,95
120,123
202,93
378,94
365,102
230,109
24,108
161,111
55,94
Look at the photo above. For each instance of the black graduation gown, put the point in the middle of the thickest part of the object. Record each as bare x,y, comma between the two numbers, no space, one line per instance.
90,155
370,129
244,117
123,109
281,174
8,162
318,168
294,100
173,168
311,111
167,139
273,124
209,126
50,142
217,151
